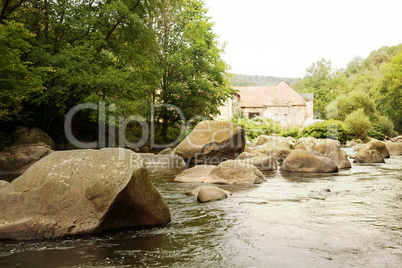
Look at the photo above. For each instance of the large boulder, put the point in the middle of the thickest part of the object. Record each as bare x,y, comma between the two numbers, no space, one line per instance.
80,192
228,172
378,146
397,139
233,172
30,135
373,152
303,161
328,148
394,148
163,164
275,146
266,163
3,184
198,173
368,156
212,142
15,160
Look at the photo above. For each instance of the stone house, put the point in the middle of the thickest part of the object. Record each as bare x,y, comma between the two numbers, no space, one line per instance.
280,103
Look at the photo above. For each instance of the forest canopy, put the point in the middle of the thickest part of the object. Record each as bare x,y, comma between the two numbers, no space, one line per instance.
370,87
129,53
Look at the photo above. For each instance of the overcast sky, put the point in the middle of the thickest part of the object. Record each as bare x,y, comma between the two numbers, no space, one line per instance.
283,37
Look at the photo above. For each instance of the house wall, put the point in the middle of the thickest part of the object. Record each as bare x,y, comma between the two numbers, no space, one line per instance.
310,110
286,116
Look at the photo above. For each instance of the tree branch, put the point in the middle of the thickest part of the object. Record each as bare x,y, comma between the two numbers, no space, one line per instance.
120,21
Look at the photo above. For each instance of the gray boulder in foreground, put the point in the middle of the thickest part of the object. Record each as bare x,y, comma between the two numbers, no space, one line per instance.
80,192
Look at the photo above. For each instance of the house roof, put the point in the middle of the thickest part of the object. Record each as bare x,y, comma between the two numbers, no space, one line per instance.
263,96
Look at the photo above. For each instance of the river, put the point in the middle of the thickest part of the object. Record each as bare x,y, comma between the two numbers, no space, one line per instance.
349,219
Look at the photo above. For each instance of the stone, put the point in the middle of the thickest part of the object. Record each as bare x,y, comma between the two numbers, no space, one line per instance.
29,135
212,142
3,184
236,172
195,191
303,161
379,146
210,193
198,173
167,151
394,148
327,148
163,164
228,172
80,192
15,160
266,163
272,146
369,156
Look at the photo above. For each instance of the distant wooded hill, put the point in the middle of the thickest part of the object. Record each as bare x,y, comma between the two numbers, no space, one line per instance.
241,80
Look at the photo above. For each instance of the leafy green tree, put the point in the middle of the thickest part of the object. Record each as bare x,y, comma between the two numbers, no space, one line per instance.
193,75
346,104
358,123
17,79
326,84
389,91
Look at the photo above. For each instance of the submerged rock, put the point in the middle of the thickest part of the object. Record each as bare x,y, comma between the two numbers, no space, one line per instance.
303,161
212,142
228,172
209,193
80,192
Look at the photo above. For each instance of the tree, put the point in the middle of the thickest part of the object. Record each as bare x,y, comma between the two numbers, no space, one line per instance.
326,84
389,91
345,104
358,123
193,75
17,80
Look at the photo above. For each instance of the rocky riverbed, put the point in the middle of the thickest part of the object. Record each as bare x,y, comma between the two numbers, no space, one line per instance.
352,218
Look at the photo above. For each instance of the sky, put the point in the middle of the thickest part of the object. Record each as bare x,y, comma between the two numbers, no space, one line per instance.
284,37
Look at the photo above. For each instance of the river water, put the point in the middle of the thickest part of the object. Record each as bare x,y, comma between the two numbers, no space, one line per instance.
350,219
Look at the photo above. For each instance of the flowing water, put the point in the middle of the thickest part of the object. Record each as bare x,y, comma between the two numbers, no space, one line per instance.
350,219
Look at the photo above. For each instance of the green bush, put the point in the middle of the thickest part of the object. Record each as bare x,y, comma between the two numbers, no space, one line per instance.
257,126
358,123
331,129
291,132
384,125
376,132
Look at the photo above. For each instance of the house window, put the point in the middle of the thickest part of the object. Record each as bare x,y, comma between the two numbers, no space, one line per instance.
252,115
